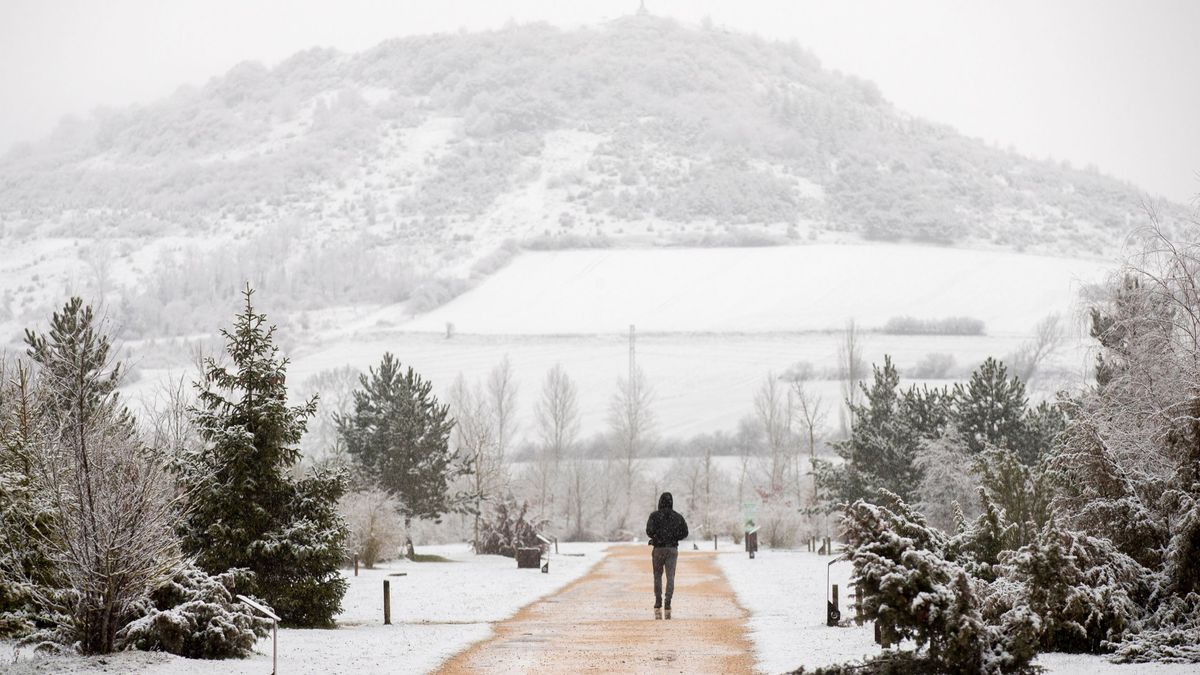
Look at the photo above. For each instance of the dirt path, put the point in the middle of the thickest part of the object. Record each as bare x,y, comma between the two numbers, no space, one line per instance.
604,623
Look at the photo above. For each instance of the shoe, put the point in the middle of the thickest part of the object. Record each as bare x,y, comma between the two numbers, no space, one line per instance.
658,613
667,613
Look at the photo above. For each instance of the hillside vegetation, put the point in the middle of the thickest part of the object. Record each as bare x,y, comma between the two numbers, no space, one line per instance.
400,172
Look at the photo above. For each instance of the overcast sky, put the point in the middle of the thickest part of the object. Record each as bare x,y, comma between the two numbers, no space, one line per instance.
1106,82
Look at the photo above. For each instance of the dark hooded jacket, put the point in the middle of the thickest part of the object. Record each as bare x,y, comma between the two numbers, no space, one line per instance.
665,526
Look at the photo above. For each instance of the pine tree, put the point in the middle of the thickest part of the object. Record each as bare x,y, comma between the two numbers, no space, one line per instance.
74,357
978,546
246,509
889,429
23,559
990,409
398,436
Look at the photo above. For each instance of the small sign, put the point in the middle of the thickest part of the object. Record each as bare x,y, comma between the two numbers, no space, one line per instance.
259,607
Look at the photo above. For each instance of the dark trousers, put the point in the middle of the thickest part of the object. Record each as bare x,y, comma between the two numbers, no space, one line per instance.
664,559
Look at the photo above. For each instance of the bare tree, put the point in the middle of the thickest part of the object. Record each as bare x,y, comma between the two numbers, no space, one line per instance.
99,258
580,486
773,411
632,423
811,414
747,441
167,422
336,390
558,421
475,437
502,394
1029,359
851,370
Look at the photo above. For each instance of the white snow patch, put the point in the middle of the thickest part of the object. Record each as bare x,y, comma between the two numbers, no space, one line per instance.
438,609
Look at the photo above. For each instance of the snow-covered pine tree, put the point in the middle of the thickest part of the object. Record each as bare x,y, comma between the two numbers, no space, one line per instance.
912,591
889,428
23,559
1024,492
398,436
978,546
1084,591
197,615
990,410
246,509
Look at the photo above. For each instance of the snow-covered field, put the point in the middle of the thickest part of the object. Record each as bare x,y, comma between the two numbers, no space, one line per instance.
770,289
711,323
438,609
785,593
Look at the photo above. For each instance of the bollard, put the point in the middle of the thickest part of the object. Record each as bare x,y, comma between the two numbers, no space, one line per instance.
714,542
834,614
355,565
858,605
387,603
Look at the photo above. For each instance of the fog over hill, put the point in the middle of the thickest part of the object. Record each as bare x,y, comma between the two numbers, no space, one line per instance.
411,170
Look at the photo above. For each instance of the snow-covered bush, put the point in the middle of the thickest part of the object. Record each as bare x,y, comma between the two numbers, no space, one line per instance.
912,591
507,529
1169,635
374,521
978,546
197,615
1084,591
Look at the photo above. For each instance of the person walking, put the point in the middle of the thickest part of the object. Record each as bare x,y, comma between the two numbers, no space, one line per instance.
665,528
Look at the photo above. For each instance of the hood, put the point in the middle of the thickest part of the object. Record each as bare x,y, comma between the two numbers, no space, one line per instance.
666,501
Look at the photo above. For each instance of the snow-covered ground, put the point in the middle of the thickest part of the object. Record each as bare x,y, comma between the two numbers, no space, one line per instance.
438,609
781,288
785,592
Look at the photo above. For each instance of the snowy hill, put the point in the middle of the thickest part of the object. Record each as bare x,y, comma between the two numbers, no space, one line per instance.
399,174
542,189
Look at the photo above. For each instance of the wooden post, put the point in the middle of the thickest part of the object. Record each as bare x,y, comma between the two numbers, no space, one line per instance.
556,546
356,565
858,605
387,602
833,614
714,542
